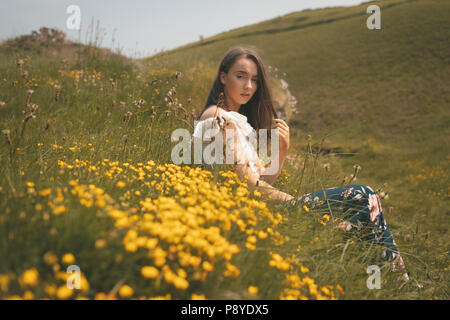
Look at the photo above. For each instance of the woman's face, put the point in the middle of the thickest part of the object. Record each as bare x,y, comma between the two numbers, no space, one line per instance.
240,83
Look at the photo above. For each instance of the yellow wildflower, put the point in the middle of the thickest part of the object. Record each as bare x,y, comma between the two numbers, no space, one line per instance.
325,290
253,290
131,246
64,292
30,277
262,234
304,269
149,272
50,290
341,291
126,291
180,283
28,295
207,266
121,184
100,243
59,210
4,282
68,258
50,258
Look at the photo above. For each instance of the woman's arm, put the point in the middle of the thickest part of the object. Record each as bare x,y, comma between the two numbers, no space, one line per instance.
242,164
243,169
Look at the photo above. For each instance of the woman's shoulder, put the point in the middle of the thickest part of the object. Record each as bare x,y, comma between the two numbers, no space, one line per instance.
212,111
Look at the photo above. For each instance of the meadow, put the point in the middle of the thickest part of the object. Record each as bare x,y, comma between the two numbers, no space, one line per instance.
87,178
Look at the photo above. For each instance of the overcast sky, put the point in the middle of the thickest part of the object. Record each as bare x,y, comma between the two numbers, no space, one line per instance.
144,27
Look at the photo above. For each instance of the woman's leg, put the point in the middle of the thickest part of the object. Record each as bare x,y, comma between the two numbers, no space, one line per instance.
360,208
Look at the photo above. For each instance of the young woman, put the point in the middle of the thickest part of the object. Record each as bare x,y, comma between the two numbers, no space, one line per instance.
239,103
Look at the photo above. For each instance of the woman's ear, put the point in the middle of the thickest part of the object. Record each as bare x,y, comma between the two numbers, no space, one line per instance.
223,77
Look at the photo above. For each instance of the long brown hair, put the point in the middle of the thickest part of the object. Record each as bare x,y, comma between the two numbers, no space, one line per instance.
259,110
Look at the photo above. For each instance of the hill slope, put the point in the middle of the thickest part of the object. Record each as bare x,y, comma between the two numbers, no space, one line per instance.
380,97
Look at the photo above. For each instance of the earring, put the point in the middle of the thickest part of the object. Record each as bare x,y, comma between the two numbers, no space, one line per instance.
221,101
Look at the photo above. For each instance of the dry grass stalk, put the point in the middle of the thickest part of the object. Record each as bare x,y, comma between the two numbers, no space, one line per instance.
7,135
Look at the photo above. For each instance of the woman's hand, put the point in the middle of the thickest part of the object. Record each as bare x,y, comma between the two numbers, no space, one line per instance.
283,132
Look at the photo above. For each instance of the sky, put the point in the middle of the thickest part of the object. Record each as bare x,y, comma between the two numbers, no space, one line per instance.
142,28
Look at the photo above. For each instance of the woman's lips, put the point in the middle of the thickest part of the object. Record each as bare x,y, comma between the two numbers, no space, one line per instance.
245,95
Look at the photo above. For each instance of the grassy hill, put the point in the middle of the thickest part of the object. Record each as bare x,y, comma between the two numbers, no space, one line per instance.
380,97
87,177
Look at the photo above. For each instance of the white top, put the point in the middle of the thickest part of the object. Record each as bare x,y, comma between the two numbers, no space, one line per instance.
246,133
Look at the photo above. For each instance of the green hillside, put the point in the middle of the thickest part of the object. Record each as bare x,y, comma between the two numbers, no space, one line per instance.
87,178
380,97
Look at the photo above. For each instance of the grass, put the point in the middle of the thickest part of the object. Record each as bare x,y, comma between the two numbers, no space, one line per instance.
90,167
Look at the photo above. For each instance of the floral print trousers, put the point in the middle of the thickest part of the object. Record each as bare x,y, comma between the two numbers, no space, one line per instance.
360,209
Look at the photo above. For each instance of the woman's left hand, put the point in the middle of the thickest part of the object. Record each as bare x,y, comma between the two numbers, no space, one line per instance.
283,132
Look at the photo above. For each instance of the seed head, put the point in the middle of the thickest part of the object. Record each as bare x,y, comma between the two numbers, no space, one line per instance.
127,116
180,107
384,195
57,88
29,93
31,114
8,137
34,107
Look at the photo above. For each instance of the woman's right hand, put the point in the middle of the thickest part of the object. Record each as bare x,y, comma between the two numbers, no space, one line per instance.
283,132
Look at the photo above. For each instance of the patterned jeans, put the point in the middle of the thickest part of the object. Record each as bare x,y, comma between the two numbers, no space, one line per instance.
360,208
